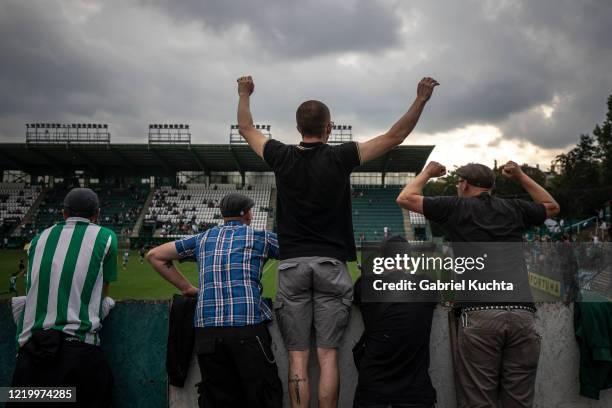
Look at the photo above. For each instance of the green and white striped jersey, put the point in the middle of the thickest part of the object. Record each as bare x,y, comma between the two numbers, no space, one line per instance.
67,266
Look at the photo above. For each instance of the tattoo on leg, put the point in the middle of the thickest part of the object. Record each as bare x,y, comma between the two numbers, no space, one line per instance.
296,380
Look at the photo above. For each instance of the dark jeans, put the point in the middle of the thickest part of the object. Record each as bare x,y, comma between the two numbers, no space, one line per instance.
238,368
76,364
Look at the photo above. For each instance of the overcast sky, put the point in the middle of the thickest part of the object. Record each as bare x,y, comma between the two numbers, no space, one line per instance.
519,79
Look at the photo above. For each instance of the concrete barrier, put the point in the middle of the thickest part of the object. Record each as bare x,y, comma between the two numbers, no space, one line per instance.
556,385
134,341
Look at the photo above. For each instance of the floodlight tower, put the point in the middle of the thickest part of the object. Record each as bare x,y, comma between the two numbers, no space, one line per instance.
169,133
235,138
341,134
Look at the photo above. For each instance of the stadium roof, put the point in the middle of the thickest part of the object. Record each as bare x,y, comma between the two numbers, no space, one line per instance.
163,160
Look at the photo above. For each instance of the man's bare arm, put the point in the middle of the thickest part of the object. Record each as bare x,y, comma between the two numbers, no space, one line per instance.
411,197
538,193
254,137
380,145
162,260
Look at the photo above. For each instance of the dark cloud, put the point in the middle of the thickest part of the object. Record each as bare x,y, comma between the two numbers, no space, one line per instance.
289,29
538,70
498,61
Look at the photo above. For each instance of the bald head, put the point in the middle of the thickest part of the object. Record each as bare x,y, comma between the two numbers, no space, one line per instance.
312,119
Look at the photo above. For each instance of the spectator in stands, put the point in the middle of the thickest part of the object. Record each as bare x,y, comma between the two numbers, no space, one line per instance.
316,231
231,317
490,330
58,338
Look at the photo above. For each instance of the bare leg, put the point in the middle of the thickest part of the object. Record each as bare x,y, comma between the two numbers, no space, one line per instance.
329,379
299,387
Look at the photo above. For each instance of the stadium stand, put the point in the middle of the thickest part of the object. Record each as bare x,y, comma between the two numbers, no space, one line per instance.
195,208
119,208
374,208
15,202
165,164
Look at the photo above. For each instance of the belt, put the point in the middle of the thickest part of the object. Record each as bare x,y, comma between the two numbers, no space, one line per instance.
464,310
498,307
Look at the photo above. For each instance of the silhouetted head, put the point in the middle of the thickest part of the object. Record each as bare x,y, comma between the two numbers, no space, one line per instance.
81,202
474,179
314,120
237,207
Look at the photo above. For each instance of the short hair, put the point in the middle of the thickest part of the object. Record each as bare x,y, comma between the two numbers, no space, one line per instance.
312,117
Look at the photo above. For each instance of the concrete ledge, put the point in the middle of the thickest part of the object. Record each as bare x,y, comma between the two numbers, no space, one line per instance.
134,339
557,380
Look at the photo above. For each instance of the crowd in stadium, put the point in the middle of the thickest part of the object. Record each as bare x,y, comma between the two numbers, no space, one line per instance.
225,318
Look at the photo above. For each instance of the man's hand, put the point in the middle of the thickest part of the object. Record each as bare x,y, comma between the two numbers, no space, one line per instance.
245,86
434,169
380,145
425,88
191,291
512,171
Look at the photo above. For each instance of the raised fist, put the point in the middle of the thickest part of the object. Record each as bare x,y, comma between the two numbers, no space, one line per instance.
425,88
512,171
435,169
245,86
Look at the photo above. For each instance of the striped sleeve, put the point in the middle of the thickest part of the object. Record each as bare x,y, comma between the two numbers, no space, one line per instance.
110,262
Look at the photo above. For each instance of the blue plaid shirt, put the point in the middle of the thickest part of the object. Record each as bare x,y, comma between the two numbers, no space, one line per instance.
230,261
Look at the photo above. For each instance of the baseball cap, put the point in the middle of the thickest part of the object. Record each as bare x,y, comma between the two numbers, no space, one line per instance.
235,205
477,175
81,202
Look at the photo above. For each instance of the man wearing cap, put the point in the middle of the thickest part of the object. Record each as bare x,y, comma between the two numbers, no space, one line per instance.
496,351
315,231
231,338
70,266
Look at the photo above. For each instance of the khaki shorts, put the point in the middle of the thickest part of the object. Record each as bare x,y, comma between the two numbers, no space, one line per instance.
313,292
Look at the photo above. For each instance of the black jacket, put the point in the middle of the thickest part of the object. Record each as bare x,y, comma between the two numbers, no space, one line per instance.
181,336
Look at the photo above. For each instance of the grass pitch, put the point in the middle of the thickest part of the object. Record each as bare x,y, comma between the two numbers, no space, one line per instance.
138,280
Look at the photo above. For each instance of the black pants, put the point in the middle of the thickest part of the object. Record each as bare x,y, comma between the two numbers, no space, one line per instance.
238,368
77,365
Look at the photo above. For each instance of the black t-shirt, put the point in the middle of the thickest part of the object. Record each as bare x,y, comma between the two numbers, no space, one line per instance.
394,368
314,216
486,219
483,218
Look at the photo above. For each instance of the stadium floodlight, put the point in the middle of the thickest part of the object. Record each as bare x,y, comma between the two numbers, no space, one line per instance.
65,133
169,133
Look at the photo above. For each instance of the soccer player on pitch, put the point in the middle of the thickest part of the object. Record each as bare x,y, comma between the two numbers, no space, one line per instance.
315,231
